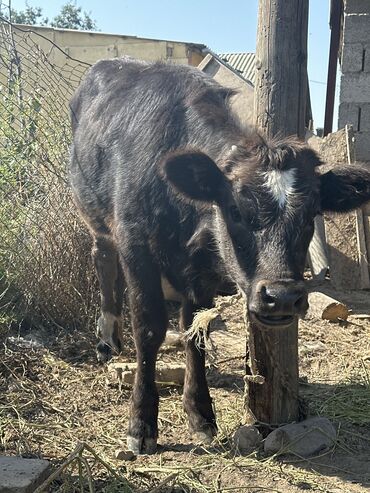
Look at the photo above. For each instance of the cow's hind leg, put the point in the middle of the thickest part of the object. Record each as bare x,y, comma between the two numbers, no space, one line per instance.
109,272
196,399
149,324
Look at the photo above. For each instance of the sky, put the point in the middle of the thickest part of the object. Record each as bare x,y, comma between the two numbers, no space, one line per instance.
225,27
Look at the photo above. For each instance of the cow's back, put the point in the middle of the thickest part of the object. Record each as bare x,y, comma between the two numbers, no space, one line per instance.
126,116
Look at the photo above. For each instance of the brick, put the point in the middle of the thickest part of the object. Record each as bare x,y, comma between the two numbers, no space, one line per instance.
355,87
367,58
348,115
18,475
356,28
357,7
362,146
352,57
165,372
365,117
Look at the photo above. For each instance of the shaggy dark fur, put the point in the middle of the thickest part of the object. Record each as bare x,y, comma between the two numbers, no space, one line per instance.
172,186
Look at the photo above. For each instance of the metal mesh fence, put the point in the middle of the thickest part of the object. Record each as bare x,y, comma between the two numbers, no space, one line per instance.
45,266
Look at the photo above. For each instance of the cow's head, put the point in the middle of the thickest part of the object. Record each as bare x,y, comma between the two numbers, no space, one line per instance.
266,197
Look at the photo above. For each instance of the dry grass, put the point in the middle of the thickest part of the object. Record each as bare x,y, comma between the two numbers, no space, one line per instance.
54,397
53,277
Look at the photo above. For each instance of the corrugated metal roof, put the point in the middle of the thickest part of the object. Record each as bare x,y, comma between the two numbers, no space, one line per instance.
244,63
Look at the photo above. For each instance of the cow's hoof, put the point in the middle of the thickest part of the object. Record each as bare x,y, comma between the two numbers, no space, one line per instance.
103,352
142,446
205,436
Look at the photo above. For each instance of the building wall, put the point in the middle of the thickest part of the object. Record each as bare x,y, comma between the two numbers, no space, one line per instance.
65,49
92,46
354,100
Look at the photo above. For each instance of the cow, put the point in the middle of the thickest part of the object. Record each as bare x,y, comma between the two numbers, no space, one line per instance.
174,189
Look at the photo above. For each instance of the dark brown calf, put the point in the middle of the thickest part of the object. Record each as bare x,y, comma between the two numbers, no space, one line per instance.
174,189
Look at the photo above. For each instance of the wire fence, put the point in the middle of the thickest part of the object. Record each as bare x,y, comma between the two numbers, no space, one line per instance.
45,267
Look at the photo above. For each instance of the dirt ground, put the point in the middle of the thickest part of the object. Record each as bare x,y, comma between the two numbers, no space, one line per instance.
53,395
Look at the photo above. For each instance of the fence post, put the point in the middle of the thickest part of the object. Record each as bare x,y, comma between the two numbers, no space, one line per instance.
280,107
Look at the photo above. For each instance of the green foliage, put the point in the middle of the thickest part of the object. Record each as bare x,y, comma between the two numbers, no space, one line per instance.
30,15
70,16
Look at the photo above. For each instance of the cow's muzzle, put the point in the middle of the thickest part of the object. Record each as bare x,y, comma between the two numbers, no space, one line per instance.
277,303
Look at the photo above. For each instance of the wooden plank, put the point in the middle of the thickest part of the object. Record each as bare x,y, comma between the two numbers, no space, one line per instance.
345,233
367,234
317,254
327,308
341,237
363,255
363,252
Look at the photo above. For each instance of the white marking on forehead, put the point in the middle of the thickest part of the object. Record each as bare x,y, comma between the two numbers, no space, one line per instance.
281,184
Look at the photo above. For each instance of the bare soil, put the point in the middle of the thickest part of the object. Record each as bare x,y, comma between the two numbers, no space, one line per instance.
53,394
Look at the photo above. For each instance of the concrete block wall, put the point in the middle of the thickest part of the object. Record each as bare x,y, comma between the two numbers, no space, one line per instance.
354,99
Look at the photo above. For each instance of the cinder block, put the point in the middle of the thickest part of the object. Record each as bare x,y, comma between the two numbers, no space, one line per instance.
355,87
357,6
367,58
348,115
365,117
356,28
18,475
362,146
352,57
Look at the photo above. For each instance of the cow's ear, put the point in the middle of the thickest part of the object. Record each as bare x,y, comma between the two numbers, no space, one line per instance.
345,188
195,176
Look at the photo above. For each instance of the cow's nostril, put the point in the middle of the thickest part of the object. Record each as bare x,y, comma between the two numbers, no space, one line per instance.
266,297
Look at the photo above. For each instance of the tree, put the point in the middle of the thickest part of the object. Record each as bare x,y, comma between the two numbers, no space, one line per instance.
30,15
70,17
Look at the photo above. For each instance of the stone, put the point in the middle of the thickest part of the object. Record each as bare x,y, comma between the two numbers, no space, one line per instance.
304,439
126,455
166,373
18,475
173,340
246,439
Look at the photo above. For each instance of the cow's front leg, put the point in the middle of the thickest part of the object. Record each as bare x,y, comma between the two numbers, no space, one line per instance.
109,272
196,399
149,323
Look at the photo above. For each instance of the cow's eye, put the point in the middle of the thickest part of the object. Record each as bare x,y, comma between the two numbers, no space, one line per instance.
235,214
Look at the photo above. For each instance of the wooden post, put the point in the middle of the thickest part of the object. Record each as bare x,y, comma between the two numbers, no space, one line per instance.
280,107
336,8
272,387
281,62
